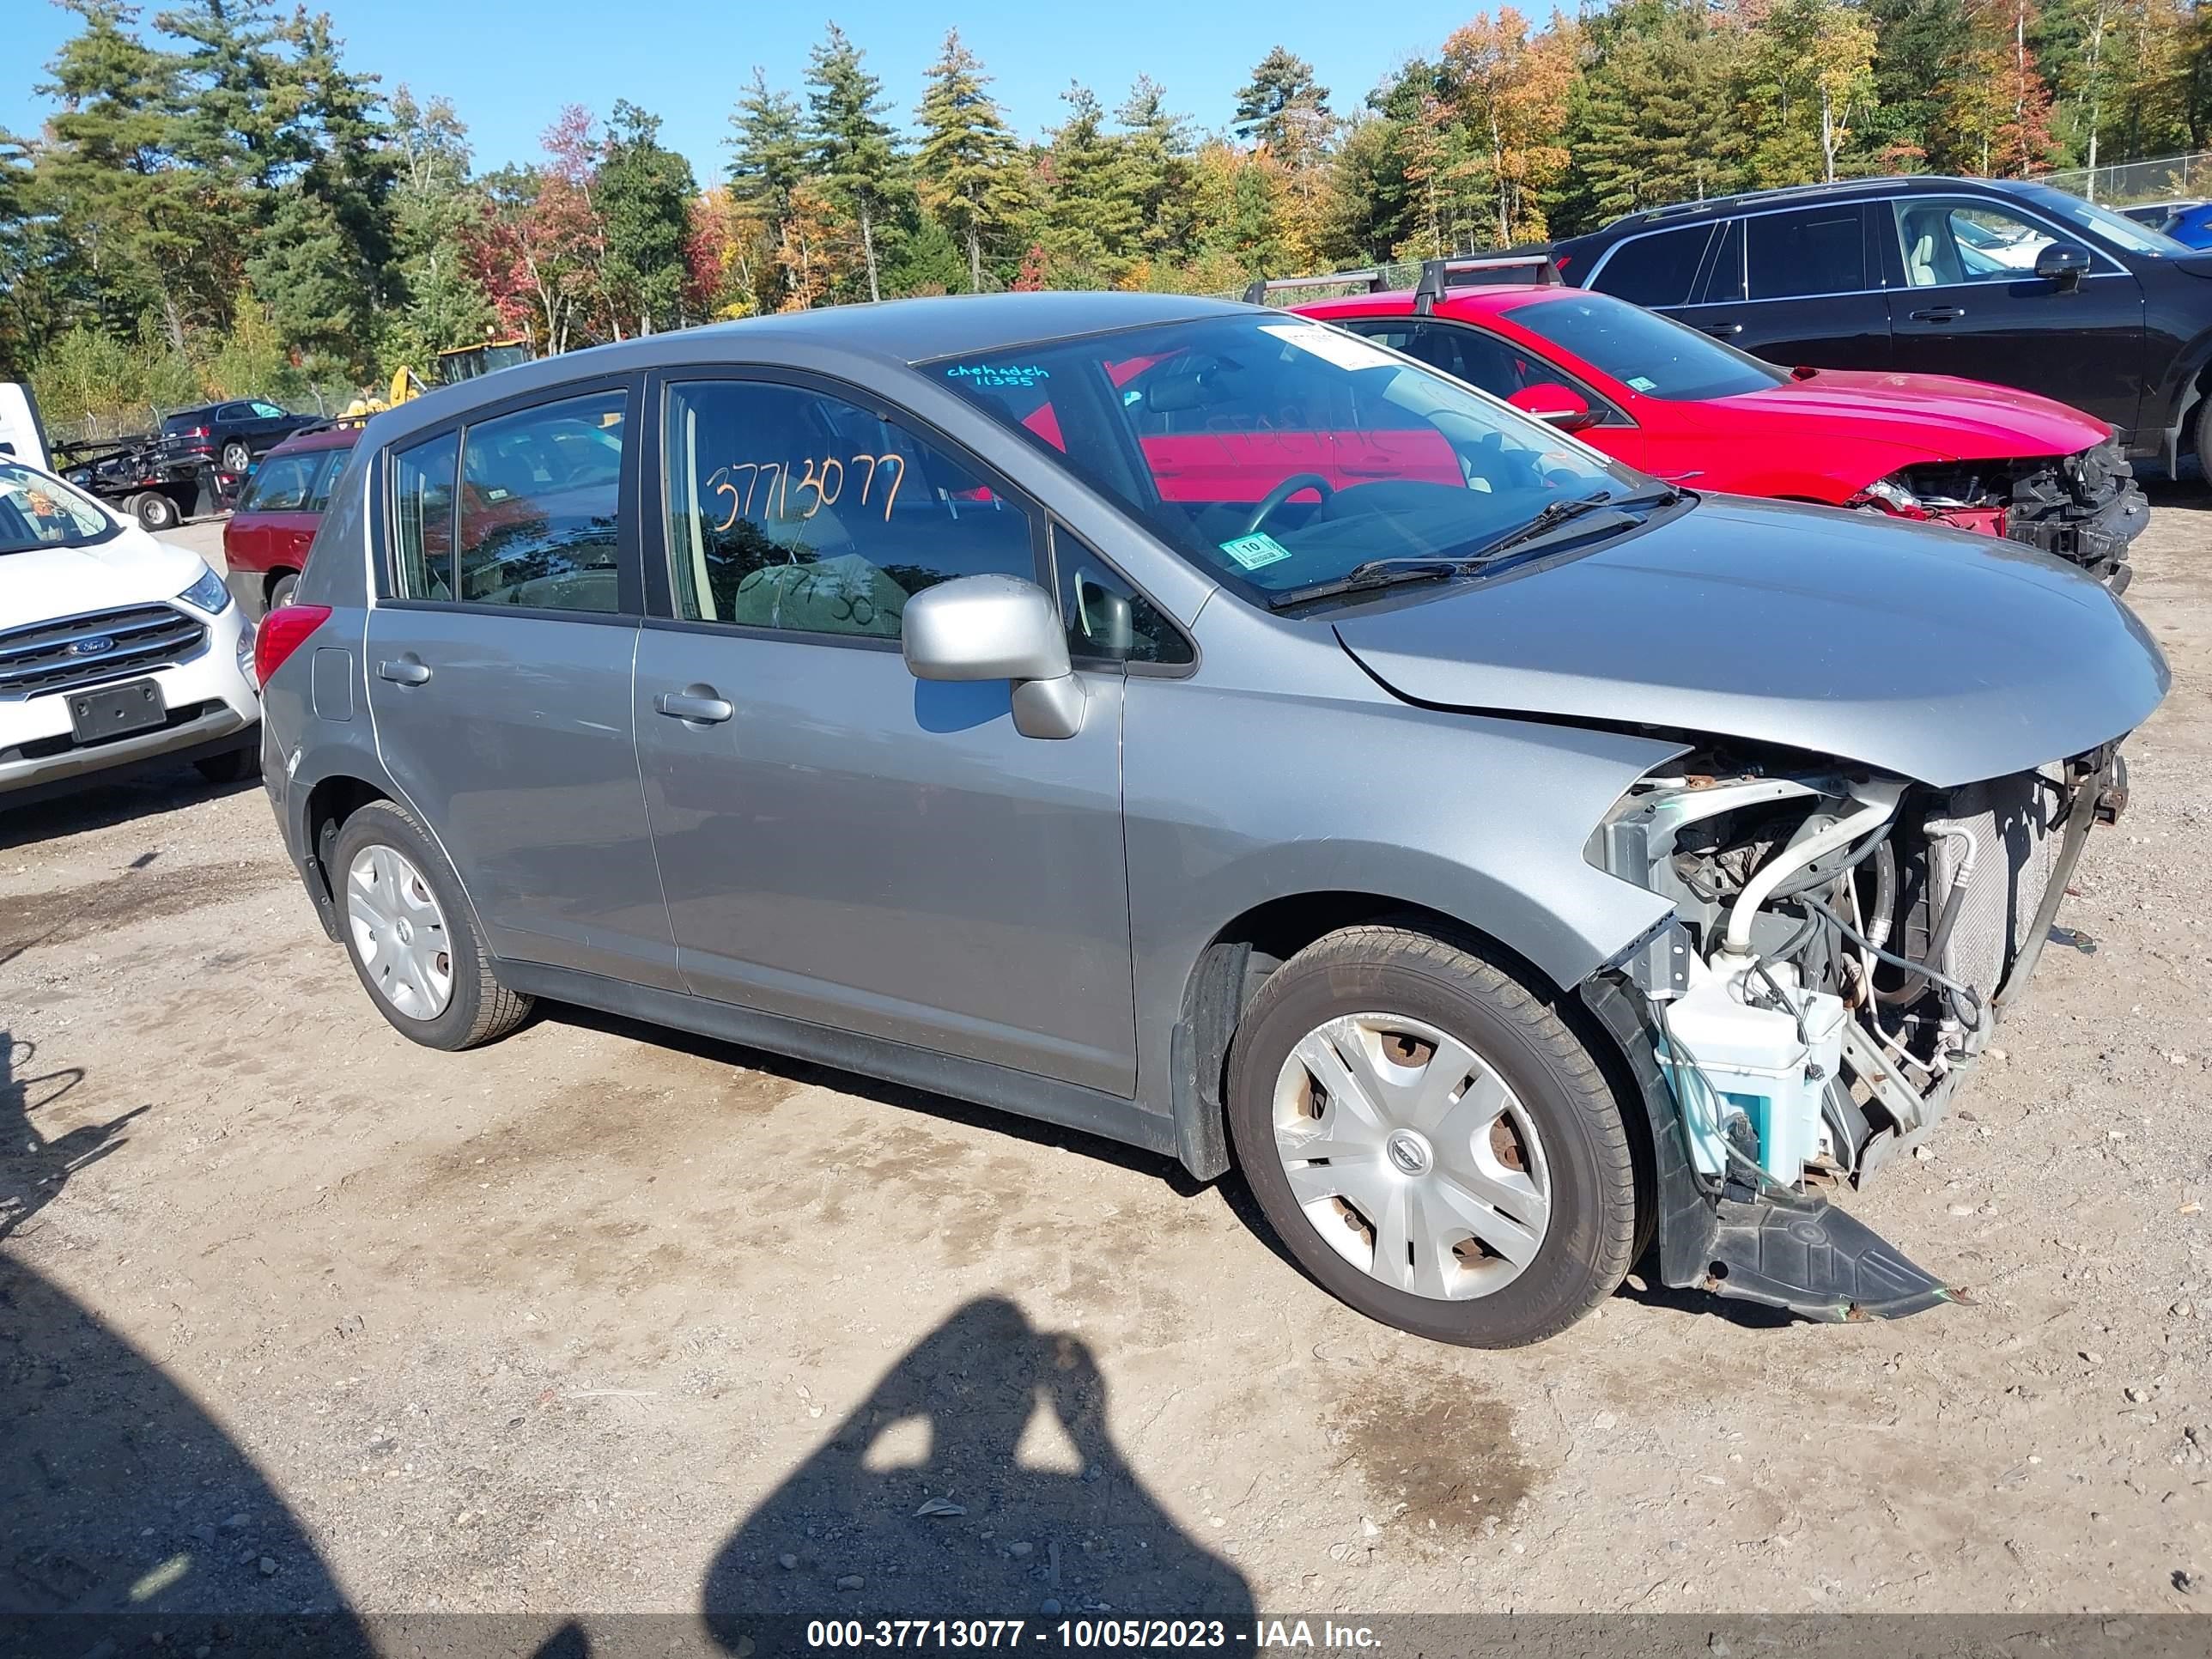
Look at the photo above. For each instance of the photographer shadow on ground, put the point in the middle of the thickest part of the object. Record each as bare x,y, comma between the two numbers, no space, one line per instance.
35,1166
939,1497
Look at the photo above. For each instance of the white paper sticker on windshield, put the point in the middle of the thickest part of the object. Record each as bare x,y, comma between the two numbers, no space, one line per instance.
1642,382
1256,550
1345,350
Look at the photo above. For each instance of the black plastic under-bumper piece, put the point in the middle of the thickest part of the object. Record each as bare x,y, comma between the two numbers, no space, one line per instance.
1817,1260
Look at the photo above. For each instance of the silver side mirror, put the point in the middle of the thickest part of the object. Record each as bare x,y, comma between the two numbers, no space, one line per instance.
998,627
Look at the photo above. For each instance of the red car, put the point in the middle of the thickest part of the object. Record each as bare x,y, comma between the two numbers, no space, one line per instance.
1672,402
265,543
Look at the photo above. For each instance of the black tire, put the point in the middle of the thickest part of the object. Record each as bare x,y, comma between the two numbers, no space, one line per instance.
231,766
481,1009
280,590
236,457
1590,1240
154,510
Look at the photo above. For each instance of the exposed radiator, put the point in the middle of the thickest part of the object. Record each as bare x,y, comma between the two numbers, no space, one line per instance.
2016,824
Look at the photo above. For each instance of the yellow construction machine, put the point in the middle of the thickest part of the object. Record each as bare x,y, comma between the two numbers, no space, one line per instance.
450,368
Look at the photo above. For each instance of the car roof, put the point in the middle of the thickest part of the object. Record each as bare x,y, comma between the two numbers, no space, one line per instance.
320,437
856,339
1848,189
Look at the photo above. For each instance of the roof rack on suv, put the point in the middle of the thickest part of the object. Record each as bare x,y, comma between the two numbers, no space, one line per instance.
1437,275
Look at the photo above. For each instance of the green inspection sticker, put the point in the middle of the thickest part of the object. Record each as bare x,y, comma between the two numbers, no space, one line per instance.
1256,550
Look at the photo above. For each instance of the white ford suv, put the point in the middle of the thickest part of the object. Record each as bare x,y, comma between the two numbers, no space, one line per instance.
115,648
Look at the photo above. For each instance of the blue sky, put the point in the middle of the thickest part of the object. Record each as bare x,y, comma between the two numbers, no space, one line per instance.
508,66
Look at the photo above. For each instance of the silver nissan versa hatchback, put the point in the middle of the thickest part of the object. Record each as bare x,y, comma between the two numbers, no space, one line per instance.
1201,727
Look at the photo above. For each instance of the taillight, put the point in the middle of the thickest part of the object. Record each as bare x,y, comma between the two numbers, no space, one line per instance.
283,632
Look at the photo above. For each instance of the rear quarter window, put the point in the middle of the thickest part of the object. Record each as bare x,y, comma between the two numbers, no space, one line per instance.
1656,269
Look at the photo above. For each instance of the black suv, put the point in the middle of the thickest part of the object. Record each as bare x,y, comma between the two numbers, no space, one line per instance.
1991,279
237,432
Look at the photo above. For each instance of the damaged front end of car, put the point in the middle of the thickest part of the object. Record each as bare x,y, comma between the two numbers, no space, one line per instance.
1843,945
2085,508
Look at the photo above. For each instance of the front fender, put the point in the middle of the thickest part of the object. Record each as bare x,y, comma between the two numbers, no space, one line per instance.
1478,818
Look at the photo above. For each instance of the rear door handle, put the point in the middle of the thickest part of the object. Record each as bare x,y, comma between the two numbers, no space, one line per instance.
408,669
696,703
1724,330
1939,314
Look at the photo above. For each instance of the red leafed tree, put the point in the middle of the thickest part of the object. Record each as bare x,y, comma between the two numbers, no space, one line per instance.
1031,277
539,250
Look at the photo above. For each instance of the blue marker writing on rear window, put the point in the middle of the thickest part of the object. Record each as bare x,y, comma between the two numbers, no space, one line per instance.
1256,550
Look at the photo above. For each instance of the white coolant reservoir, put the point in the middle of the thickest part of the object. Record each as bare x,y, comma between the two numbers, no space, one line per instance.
1727,1059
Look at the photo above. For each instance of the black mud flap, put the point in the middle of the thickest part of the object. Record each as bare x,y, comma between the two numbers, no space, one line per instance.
1817,1260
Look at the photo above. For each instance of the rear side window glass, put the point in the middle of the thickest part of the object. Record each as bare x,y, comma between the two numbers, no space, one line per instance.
1812,251
1106,617
283,484
788,509
422,519
326,478
538,502
1725,273
1656,270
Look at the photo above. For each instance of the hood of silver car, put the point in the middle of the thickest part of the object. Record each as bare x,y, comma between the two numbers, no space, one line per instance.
1936,654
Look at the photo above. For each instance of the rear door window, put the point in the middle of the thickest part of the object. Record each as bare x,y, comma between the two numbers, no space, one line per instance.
326,478
1656,269
537,500
1806,252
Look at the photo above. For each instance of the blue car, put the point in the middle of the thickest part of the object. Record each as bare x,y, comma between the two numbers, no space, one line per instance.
2187,221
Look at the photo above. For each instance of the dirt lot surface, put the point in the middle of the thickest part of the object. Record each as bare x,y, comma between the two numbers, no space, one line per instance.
600,1319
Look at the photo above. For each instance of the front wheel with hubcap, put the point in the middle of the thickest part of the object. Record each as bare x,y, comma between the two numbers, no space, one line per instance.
411,936
1431,1141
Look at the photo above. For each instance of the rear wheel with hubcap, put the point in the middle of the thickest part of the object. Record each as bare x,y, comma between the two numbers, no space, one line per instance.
280,590
411,936
1431,1141
236,457
154,510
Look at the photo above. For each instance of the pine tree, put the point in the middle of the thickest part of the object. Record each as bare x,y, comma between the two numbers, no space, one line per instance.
1093,218
1282,106
305,271
350,167
856,155
1156,149
966,166
434,207
644,191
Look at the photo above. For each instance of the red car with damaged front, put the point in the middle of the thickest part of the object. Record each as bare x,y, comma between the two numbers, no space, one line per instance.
1681,406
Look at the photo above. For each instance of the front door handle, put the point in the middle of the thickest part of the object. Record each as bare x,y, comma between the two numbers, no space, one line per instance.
694,704
1940,314
408,669
1724,330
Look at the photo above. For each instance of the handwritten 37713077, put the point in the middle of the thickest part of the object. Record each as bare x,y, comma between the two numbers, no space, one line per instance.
824,479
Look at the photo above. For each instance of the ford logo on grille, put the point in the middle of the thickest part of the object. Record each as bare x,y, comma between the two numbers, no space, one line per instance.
92,646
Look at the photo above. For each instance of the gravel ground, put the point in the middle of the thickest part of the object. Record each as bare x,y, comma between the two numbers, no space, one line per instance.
293,1313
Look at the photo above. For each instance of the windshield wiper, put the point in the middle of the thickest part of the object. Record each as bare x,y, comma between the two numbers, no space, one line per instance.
1375,573
1416,568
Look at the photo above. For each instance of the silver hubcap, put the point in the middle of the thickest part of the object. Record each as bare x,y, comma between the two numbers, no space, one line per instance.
1411,1158
400,932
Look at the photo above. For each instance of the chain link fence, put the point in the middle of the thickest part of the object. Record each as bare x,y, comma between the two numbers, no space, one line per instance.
2127,183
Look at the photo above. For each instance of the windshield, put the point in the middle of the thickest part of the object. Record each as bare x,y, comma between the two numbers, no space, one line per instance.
1274,454
1657,356
36,511
2120,232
